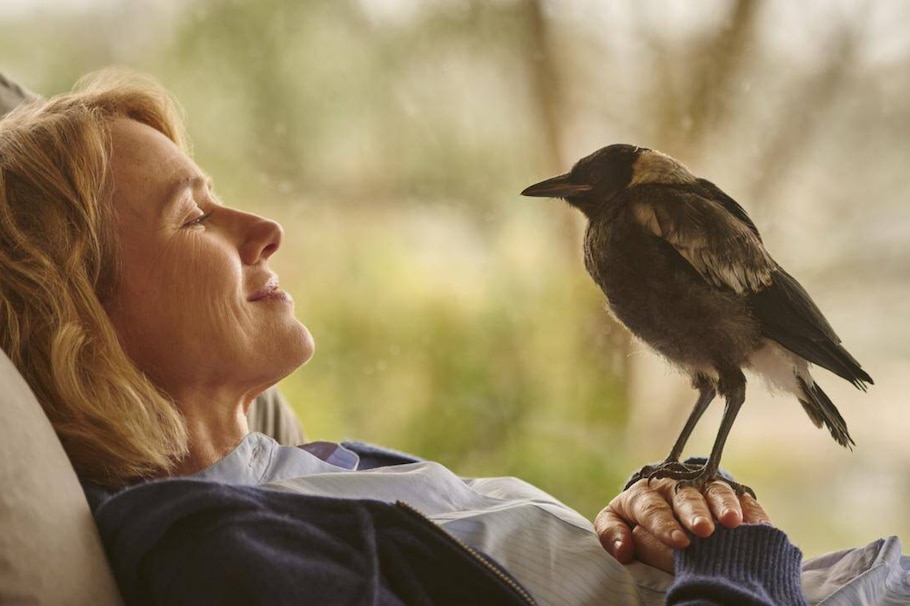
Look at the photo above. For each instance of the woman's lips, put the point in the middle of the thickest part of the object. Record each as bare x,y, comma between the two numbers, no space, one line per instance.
270,292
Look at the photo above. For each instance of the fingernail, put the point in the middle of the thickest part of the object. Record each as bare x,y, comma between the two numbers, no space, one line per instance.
679,536
701,521
617,545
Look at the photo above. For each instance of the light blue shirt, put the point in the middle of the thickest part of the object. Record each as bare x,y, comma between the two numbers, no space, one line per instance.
550,548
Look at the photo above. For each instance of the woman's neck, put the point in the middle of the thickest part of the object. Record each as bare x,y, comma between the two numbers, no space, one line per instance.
213,431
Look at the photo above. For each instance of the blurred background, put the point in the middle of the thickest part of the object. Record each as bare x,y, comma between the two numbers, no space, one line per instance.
453,318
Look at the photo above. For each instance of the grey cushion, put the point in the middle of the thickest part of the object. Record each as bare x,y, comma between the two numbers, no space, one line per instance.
271,415
11,95
50,552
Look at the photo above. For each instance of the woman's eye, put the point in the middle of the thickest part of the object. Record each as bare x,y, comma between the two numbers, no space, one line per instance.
200,219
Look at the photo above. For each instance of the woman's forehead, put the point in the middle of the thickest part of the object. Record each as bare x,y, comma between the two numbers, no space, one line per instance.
147,168
140,146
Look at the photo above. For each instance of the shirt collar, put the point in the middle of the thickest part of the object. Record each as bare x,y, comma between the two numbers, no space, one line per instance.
259,459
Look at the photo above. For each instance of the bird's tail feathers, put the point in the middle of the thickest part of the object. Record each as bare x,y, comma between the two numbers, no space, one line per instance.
821,410
838,360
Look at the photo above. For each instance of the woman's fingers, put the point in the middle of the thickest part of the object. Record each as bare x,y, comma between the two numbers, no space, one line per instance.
628,544
692,510
753,512
658,511
649,550
648,504
724,503
615,535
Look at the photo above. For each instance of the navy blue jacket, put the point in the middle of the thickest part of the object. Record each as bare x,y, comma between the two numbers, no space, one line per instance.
188,541
185,541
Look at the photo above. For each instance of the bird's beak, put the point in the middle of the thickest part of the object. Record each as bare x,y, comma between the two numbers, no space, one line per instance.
556,187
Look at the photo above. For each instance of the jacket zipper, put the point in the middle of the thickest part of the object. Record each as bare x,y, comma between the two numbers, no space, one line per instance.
521,591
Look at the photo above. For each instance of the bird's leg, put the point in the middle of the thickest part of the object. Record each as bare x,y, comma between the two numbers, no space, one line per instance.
732,385
706,393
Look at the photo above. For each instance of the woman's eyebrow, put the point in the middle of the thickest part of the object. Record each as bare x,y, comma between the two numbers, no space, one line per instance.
190,182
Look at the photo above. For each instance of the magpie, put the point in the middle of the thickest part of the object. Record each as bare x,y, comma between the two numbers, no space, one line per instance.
684,268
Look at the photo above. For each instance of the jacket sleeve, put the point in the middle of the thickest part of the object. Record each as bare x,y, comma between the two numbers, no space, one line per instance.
751,565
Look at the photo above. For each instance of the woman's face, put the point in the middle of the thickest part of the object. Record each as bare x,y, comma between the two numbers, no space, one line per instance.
197,308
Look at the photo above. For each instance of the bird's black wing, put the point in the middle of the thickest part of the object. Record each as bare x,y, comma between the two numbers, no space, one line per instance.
789,316
716,236
713,192
725,250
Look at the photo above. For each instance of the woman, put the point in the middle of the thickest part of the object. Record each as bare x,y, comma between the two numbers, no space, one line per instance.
143,314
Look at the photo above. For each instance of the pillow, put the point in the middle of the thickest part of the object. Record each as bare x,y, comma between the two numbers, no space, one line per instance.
50,552
270,414
11,95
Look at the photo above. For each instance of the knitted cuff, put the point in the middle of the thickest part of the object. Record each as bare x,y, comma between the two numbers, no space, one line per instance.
750,564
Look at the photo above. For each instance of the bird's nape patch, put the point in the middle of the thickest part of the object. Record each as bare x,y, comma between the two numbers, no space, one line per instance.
655,167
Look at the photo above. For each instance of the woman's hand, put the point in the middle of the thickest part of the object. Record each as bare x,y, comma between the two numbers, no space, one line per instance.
646,522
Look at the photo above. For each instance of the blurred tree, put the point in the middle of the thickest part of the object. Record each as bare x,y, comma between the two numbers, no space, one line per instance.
795,133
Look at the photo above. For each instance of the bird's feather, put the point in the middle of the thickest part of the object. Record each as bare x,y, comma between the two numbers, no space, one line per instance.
713,192
788,315
716,236
725,250
821,410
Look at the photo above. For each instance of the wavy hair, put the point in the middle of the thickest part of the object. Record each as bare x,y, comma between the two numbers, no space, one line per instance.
58,267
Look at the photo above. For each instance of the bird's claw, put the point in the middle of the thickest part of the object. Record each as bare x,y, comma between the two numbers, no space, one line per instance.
687,475
653,472
699,484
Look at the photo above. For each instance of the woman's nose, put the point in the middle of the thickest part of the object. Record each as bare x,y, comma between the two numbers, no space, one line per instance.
263,237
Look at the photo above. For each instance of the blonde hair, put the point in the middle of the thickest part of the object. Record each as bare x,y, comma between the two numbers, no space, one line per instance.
58,267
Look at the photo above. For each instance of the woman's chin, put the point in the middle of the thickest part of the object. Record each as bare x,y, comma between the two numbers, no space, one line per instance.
272,357
307,346
298,350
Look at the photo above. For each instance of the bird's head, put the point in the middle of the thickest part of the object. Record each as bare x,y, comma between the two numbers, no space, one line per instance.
596,179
